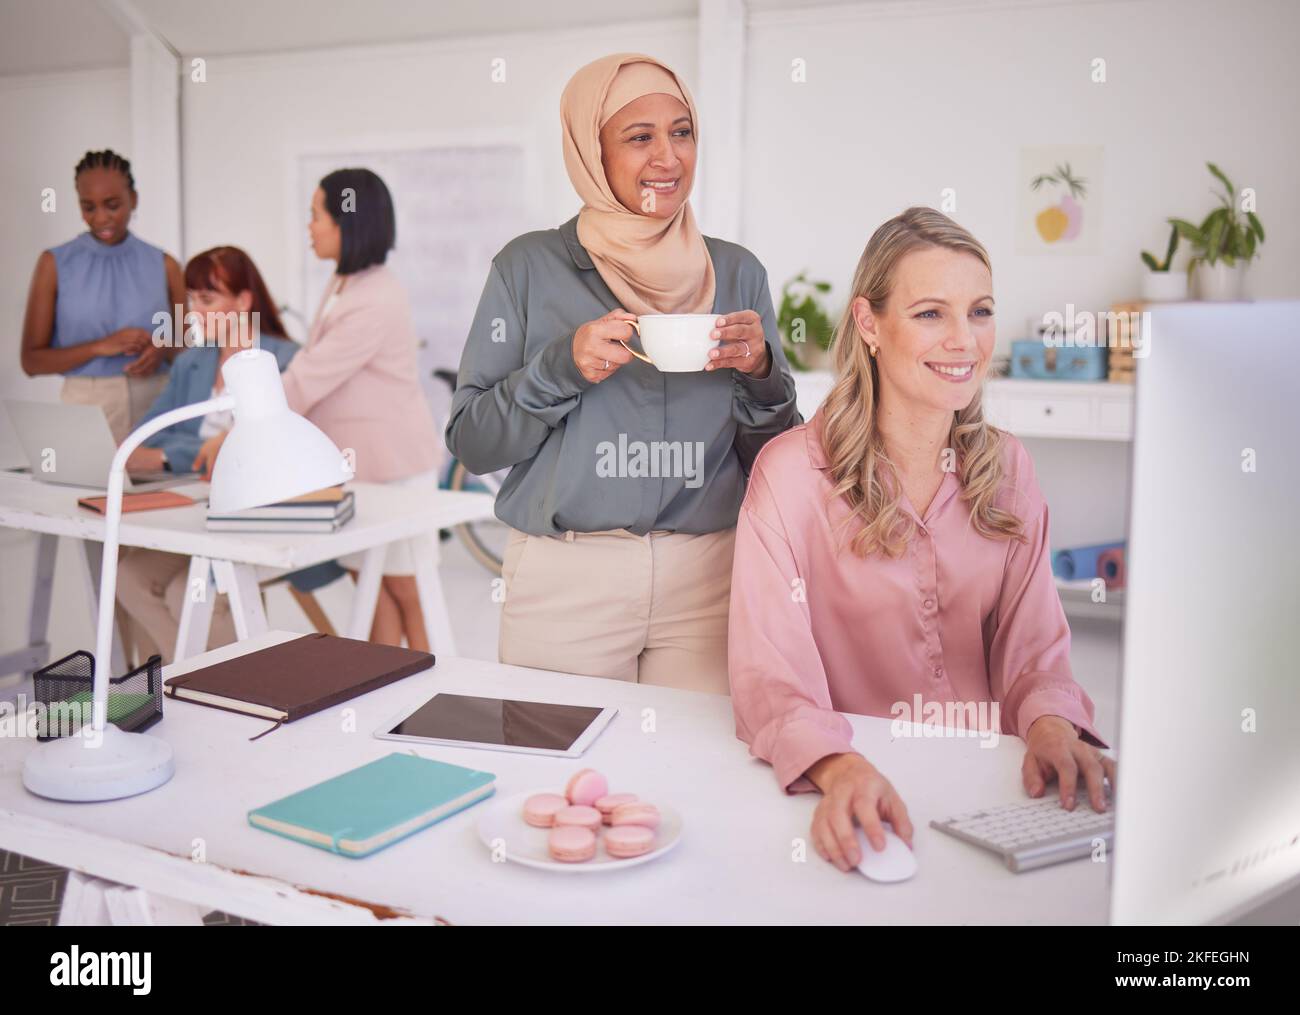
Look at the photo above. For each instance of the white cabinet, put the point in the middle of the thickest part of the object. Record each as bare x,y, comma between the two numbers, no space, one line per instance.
1079,410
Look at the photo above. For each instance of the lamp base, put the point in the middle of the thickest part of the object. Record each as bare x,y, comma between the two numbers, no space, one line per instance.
109,766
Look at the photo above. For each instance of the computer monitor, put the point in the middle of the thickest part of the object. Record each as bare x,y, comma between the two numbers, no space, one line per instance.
1208,797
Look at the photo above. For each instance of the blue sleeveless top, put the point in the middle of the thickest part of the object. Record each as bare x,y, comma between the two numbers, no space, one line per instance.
103,288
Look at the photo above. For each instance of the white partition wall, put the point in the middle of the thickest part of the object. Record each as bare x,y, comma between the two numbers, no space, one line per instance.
719,91
156,143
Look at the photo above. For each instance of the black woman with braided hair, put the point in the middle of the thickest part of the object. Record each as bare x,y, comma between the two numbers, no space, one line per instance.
93,303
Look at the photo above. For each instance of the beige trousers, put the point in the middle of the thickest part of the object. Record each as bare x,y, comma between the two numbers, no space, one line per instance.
651,608
150,594
124,400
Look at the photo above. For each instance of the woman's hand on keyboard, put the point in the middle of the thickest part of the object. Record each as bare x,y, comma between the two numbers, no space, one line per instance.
1053,750
206,460
853,788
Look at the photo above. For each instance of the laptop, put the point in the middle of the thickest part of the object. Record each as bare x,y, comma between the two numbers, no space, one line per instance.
71,445
12,457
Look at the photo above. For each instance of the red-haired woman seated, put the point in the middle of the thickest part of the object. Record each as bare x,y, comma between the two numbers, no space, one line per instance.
225,288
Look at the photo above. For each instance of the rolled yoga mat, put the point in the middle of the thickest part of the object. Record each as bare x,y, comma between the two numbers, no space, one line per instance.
1081,561
1110,568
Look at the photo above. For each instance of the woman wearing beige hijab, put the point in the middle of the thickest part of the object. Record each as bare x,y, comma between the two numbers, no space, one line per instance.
625,482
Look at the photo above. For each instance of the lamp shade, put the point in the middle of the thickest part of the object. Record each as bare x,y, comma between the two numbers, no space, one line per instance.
271,453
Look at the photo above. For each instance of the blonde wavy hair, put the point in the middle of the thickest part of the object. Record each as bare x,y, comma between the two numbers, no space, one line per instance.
861,470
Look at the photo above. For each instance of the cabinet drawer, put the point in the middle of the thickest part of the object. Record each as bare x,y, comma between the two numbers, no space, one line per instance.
1115,416
1031,415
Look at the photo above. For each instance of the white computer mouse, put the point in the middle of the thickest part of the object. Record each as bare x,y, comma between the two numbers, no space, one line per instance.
894,863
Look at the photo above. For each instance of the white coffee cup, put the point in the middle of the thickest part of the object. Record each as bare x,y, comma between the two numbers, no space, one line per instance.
675,343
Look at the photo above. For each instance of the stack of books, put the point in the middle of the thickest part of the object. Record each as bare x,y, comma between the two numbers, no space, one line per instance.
1127,321
325,510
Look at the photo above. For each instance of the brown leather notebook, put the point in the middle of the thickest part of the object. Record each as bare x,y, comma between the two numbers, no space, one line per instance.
149,500
296,678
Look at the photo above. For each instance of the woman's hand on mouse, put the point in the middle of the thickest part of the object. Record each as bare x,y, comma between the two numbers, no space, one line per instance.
853,788
597,345
744,347
1053,749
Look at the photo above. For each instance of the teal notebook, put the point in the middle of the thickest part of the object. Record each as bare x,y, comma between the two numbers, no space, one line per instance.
368,808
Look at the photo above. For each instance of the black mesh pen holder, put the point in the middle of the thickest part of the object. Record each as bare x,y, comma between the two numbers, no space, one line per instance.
65,691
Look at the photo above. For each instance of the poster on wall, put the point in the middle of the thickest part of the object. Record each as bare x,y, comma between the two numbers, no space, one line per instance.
1059,207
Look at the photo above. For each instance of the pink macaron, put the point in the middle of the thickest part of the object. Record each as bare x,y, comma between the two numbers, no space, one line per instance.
586,787
627,841
541,808
637,813
578,816
607,803
570,844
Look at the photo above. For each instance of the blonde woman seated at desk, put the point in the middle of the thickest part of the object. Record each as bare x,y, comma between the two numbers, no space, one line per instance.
897,545
224,286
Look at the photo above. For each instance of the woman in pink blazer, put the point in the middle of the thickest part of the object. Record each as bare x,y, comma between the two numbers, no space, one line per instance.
358,376
894,551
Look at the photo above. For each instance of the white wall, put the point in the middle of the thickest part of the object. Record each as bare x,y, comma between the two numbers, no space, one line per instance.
903,100
243,127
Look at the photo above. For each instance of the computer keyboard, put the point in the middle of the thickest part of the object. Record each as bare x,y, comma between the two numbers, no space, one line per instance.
1035,834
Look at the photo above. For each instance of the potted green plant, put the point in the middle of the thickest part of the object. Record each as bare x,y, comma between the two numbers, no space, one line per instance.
1160,284
805,326
1223,244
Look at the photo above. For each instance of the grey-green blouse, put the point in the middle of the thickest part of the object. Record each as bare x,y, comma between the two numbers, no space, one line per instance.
642,450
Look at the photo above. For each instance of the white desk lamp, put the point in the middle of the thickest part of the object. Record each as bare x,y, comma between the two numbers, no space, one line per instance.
270,454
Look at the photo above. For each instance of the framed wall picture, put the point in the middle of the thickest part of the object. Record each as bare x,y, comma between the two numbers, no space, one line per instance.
1059,205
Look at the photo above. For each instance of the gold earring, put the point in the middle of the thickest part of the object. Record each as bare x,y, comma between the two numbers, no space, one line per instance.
873,349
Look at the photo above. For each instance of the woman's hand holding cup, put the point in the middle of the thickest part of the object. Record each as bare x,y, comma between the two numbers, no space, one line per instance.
598,348
743,346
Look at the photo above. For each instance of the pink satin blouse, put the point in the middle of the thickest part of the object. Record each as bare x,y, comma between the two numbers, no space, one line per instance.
816,630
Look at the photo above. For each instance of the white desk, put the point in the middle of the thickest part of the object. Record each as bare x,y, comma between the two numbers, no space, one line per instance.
227,561
733,865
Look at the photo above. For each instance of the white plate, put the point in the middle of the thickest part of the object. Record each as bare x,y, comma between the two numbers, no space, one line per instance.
502,823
